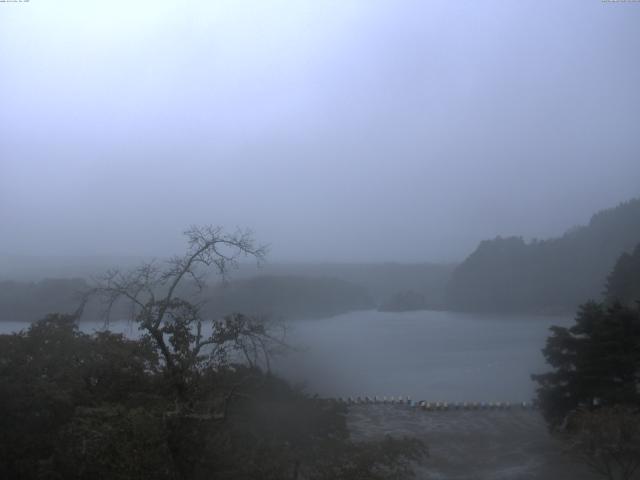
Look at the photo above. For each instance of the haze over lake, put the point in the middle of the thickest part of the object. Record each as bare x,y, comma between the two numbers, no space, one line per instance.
438,356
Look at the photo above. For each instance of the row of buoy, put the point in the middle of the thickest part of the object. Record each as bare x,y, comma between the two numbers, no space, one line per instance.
435,406
399,400
429,406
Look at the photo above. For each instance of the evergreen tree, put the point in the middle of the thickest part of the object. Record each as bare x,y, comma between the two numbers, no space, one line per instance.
623,284
595,362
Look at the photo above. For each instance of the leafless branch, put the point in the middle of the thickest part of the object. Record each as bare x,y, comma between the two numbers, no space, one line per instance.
175,325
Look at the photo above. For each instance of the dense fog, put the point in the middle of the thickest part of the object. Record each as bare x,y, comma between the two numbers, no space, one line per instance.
320,240
393,131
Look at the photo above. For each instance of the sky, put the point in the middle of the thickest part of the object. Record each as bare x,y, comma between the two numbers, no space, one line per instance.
344,130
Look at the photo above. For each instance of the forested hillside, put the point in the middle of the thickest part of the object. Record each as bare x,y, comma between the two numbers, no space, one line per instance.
278,296
301,290
287,296
382,281
555,275
30,301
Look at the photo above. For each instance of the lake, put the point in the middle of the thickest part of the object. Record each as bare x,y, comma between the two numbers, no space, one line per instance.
436,356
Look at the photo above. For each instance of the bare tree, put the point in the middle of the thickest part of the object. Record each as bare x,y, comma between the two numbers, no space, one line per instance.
607,440
175,325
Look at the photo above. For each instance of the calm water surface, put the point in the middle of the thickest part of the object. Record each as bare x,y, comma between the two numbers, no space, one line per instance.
437,356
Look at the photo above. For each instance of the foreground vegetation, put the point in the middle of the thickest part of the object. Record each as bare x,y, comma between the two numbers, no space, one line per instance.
592,395
102,406
190,399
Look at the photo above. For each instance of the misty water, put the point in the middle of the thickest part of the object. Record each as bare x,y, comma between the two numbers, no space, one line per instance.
435,356
430,355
